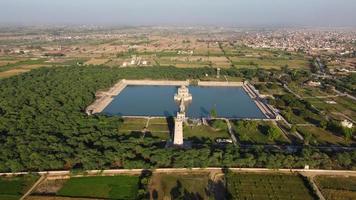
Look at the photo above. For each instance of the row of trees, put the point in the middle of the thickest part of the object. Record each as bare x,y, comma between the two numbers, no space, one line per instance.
43,127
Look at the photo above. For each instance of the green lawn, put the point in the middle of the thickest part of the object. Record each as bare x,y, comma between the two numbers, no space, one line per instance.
253,132
307,91
206,132
270,89
319,136
337,188
132,125
13,188
157,127
251,186
296,116
343,106
107,187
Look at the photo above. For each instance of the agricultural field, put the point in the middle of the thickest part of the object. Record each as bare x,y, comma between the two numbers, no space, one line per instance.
268,63
113,187
250,186
13,188
252,132
202,132
242,56
337,188
173,186
96,61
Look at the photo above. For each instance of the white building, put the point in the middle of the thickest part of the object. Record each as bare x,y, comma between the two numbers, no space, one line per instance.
346,124
183,94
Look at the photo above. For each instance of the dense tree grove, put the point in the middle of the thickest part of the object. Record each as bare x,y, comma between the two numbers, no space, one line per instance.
43,127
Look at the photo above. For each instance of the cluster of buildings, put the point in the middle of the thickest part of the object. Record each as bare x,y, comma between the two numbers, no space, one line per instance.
135,61
182,52
309,41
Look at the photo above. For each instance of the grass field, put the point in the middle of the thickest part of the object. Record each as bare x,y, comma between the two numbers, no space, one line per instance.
168,186
343,106
256,133
206,132
113,187
156,127
318,136
13,188
267,186
306,91
337,188
132,125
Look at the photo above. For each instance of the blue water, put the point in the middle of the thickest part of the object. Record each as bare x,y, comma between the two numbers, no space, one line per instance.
229,102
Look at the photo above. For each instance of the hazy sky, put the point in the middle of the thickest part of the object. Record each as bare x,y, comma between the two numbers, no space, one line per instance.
180,12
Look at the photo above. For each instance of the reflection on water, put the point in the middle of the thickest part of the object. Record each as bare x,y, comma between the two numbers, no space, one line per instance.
229,102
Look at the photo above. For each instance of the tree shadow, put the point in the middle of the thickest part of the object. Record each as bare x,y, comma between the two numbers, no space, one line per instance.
144,184
179,192
154,194
263,129
170,122
216,189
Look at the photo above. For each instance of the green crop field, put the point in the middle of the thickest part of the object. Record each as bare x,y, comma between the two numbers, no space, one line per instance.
337,188
173,186
113,187
268,186
13,188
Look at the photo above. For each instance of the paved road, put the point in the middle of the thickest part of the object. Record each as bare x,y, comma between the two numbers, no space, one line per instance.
306,172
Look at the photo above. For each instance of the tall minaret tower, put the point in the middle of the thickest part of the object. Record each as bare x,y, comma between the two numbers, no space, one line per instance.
182,96
178,125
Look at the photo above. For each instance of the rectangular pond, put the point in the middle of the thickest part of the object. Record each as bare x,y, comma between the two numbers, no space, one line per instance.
229,102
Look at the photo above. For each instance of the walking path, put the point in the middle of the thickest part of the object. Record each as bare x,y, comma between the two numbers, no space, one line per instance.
39,181
345,94
231,131
316,189
306,172
290,91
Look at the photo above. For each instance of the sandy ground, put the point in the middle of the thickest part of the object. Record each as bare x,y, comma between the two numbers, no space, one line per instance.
97,61
5,62
48,187
12,72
